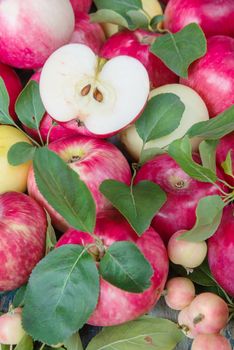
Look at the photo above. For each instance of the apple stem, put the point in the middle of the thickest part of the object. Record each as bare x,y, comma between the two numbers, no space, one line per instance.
42,347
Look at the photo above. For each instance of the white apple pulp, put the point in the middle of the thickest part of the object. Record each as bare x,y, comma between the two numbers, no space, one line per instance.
105,95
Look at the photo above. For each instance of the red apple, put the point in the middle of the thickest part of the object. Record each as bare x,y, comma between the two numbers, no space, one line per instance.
88,33
137,44
81,6
183,194
221,251
225,145
95,160
214,16
13,85
212,76
116,306
23,231
32,30
211,342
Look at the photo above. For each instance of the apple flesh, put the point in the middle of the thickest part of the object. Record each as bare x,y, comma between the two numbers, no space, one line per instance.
13,86
211,342
81,6
116,306
221,250
95,160
23,227
88,33
32,30
212,76
137,44
214,16
105,96
151,7
225,145
183,194
11,330
12,178
195,111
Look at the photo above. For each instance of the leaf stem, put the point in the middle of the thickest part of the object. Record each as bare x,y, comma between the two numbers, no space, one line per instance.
42,347
48,135
29,137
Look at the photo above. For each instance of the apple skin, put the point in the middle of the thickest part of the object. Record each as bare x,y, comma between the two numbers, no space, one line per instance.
195,111
13,85
137,44
12,178
32,30
183,194
211,342
212,76
11,330
88,33
99,161
81,6
214,16
116,306
221,251
23,227
225,145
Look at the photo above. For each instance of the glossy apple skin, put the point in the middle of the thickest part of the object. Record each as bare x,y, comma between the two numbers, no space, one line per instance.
81,6
32,30
57,132
225,145
116,306
215,17
23,227
137,44
99,161
12,178
221,251
88,33
13,85
212,76
183,194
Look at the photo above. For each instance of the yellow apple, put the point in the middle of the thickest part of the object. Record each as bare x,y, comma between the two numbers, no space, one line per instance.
151,7
12,178
195,111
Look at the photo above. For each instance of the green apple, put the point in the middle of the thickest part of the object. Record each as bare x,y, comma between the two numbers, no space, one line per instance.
12,178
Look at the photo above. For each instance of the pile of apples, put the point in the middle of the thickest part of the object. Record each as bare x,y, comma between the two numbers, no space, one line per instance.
95,81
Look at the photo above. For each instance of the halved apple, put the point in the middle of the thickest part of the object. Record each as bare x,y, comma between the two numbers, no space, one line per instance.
104,95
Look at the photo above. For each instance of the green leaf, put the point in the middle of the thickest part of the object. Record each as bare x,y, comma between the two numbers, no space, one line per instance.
227,164
141,334
61,295
198,275
4,347
5,117
214,128
161,116
51,239
64,191
179,50
29,107
26,343
124,266
126,13
207,150
208,217
74,342
19,297
20,152
149,153
181,151
138,204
